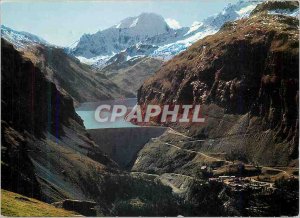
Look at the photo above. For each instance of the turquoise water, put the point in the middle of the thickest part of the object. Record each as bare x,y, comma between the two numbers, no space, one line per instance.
89,121
87,113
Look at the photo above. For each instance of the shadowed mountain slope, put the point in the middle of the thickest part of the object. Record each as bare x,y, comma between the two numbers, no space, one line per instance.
71,76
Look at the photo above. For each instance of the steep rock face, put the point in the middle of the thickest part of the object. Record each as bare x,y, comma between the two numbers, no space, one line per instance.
39,124
29,101
250,65
13,152
71,76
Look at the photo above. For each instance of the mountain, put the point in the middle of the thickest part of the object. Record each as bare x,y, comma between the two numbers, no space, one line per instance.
20,39
130,74
70,75
243,161
246,79
247,73
37,128
153,33
73,77
131,67
278,8
118,48
128,32
47,153
133,52
208,26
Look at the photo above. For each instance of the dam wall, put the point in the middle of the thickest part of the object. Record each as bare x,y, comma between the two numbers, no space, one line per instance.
123,144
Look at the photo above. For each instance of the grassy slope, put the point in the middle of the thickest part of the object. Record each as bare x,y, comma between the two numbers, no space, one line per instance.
13,204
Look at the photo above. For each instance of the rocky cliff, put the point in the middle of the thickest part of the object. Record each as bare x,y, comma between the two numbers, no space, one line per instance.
246,76
35,117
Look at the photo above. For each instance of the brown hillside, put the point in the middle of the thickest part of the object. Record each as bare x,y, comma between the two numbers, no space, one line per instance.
250,65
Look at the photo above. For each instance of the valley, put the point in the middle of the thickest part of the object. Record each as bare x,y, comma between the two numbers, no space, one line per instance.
241,65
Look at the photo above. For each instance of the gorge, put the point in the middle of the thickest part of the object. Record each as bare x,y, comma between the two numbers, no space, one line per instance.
241,66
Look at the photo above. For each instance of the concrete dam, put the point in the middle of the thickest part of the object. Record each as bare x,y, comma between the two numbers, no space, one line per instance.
123,144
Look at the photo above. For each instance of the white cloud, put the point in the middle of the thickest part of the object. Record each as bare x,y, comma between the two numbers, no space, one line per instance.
174,24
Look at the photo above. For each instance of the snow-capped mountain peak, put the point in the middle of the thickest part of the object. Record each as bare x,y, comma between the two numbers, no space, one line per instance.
145,22
153,30
172,23
127,23
21,39
125,34
208,26
232,12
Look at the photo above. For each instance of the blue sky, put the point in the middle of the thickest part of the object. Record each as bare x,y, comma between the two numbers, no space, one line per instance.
63,22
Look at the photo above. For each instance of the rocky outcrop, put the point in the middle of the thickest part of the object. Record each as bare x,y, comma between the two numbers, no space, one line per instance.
249,67
65,71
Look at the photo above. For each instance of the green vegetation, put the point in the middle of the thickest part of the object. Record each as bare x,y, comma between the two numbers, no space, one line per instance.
13,204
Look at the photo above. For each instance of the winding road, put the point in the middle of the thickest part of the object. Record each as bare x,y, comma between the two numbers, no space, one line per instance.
172,131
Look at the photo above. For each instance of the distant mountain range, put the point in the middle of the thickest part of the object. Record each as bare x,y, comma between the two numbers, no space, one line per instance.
149,34
130,31
144,38
145,35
